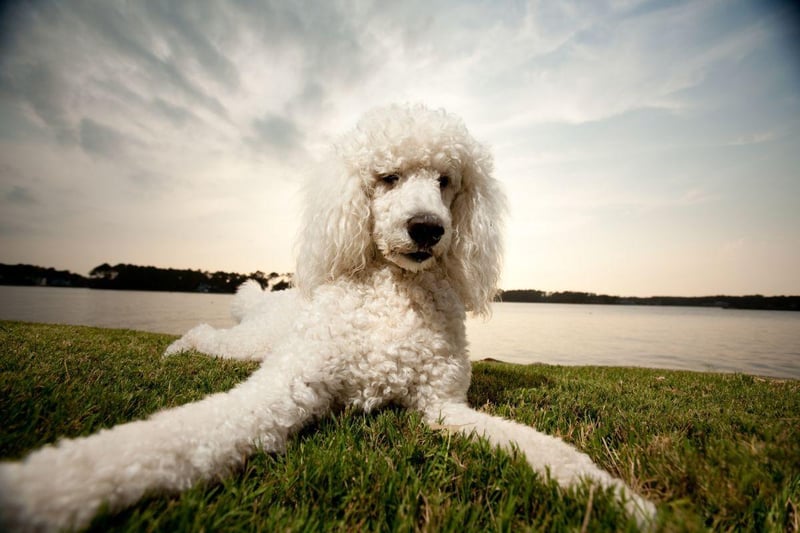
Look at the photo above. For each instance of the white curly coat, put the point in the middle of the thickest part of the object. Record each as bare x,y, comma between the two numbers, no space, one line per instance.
378,318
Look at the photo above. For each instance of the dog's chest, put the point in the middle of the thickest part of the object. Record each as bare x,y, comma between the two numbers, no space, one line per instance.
396,343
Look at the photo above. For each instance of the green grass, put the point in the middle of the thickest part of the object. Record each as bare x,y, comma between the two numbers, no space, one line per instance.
714,451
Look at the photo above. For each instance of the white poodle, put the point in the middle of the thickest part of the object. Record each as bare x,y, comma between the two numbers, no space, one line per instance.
399,241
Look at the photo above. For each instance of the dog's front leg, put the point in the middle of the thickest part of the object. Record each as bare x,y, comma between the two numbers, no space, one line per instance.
62,486
546,454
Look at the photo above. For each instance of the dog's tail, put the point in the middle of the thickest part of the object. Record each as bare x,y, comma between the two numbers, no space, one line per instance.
63,486
546,454
249,296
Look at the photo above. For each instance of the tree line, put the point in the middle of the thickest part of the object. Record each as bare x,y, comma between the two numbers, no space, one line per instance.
143,278
754,301
149,278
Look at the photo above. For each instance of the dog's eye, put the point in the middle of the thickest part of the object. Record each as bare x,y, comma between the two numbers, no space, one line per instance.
390,179
444,181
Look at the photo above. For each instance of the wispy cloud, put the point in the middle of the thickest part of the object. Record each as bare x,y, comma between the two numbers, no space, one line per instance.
20,196
755,138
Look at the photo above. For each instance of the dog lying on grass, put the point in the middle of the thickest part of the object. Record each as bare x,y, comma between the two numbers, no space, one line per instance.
400,240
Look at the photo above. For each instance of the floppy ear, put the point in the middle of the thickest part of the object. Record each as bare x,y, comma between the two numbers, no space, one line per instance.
335,238
475,260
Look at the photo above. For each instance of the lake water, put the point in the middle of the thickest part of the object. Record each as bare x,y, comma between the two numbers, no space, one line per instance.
706,339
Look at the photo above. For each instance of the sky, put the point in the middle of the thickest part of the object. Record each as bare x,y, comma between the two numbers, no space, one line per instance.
646,147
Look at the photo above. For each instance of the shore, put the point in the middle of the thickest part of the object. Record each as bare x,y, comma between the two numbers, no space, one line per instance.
717,451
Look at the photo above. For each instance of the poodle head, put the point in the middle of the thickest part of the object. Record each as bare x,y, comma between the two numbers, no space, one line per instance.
409,186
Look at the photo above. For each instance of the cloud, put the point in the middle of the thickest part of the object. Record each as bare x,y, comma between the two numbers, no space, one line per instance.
754,138
277,132
178,115
40,86
164,59
20,196
194,26
99,139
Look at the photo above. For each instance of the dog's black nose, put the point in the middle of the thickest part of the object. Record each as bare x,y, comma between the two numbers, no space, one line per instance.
425,230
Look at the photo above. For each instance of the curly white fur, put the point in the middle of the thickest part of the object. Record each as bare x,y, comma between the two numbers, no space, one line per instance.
378,318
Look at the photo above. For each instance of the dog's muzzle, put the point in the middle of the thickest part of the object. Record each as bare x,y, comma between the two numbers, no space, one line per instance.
425,230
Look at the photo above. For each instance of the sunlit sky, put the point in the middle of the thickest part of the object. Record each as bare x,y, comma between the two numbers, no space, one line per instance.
647,147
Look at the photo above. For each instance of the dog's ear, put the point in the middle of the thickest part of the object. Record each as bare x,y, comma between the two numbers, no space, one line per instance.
335,238
479,210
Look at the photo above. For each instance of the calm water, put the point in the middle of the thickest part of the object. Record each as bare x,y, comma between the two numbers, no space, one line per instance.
755,342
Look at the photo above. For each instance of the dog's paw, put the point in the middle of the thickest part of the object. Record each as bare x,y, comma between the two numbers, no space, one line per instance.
190,340
13,512
642,510
177,347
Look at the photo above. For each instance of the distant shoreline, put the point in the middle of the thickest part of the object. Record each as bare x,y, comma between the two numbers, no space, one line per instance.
141,278
755,301
148,278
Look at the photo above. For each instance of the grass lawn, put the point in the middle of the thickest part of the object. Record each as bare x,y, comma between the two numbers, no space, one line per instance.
714,451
